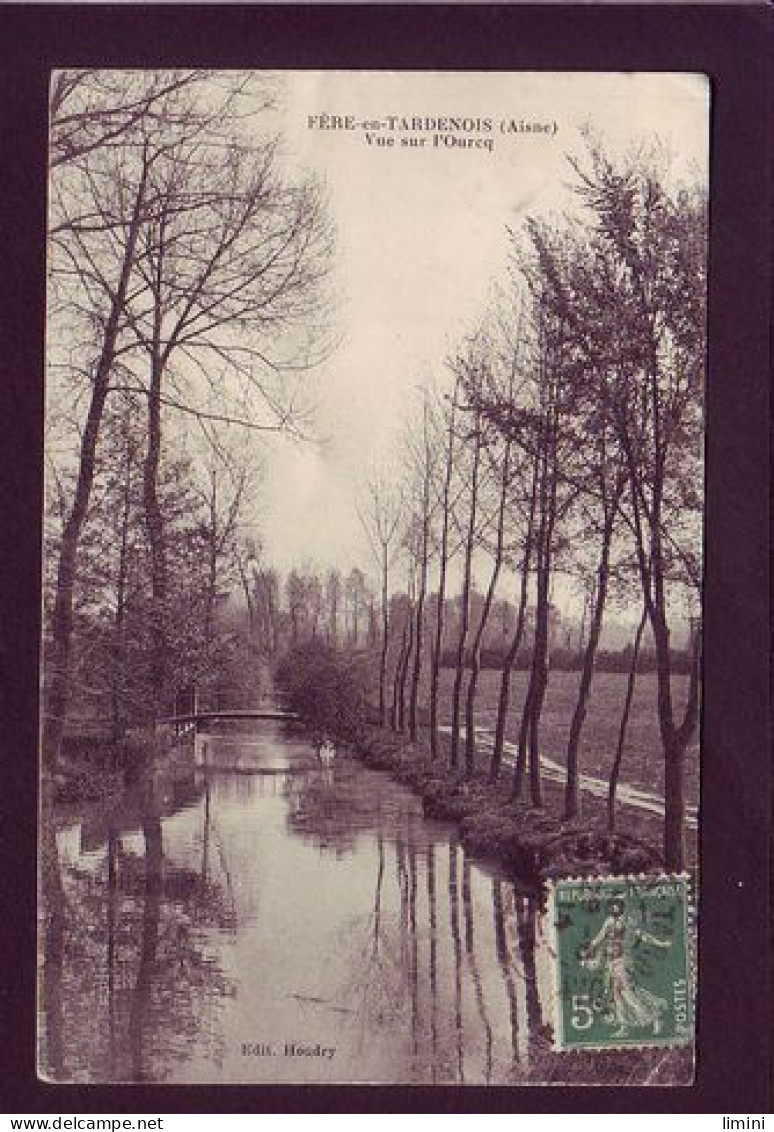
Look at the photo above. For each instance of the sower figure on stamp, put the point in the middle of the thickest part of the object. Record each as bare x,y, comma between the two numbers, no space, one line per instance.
610,950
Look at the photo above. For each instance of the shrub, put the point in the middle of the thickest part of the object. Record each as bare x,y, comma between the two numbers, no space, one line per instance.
327,690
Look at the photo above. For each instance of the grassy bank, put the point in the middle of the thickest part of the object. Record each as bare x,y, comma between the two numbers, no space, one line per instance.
534,844
93,769
643,761
331,691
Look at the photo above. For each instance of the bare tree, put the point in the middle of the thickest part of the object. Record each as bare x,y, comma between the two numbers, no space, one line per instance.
230,262
509,660
480,385
609,499
502,396
436,656
477,442
142,168
408,642
425,470
305,598
475,651
534,416
355,604
333,598
403,608
106,304
649,295
223,497
380,516
92,111
127,476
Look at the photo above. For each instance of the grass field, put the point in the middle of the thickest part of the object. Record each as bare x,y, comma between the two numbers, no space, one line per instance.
643,755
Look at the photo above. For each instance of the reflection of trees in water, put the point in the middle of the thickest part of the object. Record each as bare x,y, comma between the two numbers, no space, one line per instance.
319,809
433,958
333,805
466,983
454,919
413,944
526,930
504,959
53,942
378,984
128,982
141,998
377,913
470,951
442,958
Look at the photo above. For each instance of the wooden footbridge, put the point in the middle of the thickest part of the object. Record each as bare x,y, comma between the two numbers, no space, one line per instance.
206,716
188,713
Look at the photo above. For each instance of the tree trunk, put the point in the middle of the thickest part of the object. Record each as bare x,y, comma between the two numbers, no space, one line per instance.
59,664
507,670
420,611
154,519
528,752
475,660
520,766
465,610
541,672
417,669
249,601
674,738
212,563
154,523
518,633
674,803
535,786
405,668
385,640
542,609
615,770
437,651
395,713
118,649
572,791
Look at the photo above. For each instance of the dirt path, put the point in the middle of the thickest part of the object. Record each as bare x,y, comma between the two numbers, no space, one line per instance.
626,794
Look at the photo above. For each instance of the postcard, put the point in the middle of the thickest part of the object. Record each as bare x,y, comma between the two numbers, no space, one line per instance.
373,577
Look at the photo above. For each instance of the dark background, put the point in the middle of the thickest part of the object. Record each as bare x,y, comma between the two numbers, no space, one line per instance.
734,46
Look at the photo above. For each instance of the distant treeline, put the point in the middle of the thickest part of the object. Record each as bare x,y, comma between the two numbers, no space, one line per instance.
569,660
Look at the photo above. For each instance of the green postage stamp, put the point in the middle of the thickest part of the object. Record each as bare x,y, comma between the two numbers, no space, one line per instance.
623,954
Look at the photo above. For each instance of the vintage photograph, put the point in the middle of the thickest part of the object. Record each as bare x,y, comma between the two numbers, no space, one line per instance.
370,738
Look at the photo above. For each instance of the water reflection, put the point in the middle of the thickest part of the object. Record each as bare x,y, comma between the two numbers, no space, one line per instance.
470,951
127,978
151,916
504,958
454,916
300,908
53,938
433,959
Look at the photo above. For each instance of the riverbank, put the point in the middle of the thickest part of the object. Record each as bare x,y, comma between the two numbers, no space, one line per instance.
317,899
532,843
92,769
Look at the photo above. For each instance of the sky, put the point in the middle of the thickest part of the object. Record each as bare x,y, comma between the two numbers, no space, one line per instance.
421,241
421,244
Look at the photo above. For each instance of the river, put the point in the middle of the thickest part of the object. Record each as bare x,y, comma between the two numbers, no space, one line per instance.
262,918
